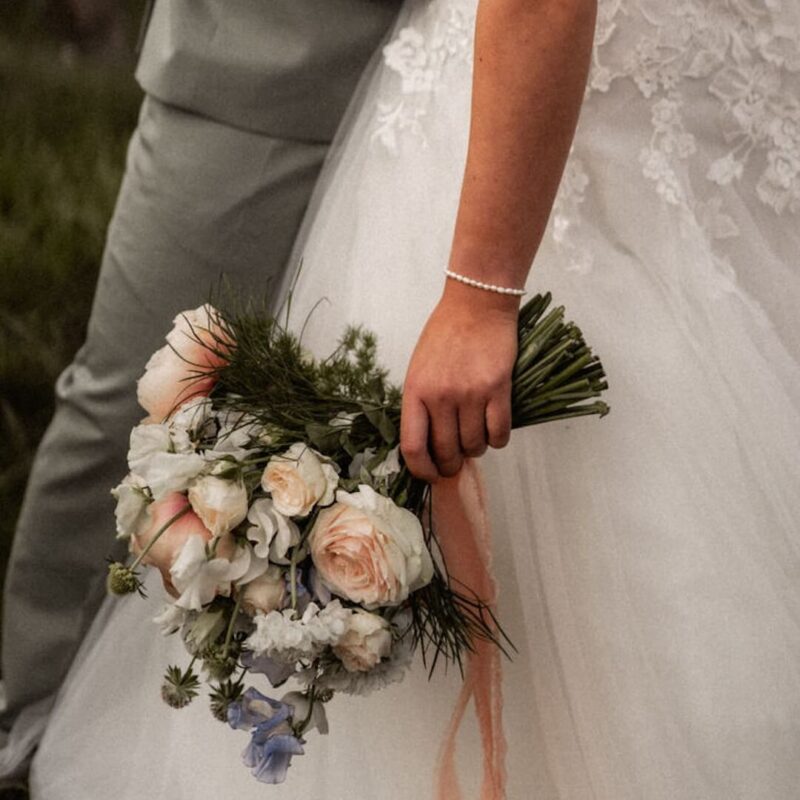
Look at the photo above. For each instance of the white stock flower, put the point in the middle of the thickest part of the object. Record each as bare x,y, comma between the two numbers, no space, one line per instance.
132,502
366,641
284,635
298,479
151,457
200,579
370,550
220,504
272,534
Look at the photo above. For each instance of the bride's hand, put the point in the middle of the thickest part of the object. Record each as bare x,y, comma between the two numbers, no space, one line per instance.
457,391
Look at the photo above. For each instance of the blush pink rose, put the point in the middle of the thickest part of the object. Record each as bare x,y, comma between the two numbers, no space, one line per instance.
369,550
180,370
168,546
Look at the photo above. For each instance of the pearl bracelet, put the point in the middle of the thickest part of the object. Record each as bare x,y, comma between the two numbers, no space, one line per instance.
490,287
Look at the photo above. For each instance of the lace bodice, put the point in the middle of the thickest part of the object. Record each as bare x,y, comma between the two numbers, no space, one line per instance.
718,81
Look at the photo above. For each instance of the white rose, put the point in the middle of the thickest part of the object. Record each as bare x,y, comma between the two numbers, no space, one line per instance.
369,550
221,504
266,593
366,641
298,479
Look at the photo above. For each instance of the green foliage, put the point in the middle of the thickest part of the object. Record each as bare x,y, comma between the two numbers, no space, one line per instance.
65,130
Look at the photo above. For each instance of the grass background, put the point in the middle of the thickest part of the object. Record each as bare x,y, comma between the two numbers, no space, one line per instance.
66,120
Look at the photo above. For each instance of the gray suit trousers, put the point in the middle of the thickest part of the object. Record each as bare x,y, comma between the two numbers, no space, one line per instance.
199,200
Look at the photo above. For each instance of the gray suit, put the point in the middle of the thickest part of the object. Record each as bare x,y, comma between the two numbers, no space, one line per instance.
242,98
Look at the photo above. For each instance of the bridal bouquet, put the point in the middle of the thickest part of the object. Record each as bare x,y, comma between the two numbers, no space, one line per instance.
267,488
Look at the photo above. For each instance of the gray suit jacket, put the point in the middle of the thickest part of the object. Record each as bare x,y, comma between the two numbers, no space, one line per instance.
286,68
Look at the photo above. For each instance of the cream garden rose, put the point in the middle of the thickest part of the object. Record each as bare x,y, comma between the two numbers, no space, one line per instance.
180,370
366,641
298,479
221,504
369,550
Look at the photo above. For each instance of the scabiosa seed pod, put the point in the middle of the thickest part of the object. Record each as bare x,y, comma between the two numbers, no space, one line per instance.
219,664
223,696
179,688
122,579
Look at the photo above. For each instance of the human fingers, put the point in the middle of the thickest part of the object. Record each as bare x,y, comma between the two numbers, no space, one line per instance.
498,418
445,441
414,428
472,428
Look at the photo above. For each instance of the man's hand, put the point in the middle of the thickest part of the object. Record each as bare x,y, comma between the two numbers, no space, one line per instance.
457,391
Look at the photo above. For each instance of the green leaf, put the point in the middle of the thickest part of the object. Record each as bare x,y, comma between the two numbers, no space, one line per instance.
323,437
380,420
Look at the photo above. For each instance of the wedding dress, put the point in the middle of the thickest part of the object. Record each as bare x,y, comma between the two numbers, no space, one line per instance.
648,563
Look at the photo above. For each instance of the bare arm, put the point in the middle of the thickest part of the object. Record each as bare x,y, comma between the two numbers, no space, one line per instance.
531,62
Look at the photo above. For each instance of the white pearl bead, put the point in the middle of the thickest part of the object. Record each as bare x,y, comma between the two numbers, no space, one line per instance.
491,287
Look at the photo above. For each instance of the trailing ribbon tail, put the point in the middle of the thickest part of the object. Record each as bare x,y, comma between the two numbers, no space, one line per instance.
461,523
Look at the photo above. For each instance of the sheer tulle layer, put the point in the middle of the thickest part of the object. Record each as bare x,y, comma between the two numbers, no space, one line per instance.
647,563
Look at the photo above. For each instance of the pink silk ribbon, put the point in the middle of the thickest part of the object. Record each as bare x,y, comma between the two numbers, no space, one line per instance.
461,523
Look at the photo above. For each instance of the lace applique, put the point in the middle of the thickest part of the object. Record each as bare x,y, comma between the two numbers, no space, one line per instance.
571,194
746,58
418,55
742,55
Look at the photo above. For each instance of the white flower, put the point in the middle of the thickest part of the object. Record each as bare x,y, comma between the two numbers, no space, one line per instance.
389,670
282,635
189,423
369,550
220,504
199,578
298,479
132,502
357,468
272,534
237,432
301,704
343,419
171,618
151,457
389,466
265,593
366,641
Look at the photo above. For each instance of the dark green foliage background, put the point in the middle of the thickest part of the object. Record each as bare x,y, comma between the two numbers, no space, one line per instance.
65,120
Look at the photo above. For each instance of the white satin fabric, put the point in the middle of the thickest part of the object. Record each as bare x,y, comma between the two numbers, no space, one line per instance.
648,563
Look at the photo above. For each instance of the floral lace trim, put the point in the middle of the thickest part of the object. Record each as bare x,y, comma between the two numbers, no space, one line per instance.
418,55
747,57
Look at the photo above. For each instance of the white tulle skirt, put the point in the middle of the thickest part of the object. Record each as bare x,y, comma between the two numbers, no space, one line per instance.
648,563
